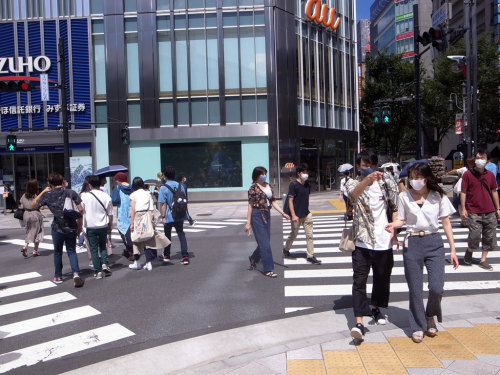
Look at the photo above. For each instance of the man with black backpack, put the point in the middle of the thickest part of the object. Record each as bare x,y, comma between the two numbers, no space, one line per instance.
173,198
297,206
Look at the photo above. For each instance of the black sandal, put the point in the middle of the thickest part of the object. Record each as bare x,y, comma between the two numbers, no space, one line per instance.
252,263
271,274
431,327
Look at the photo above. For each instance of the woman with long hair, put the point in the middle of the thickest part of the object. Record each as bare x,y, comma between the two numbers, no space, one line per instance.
33,218
260,199
421,207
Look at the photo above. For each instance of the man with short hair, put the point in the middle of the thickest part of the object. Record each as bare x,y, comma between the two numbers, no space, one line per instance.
480,206
372,195
98,221
298,205
165,197
120,197
64,229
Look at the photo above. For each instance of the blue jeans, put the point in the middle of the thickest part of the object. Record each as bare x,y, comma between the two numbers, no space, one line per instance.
97,241
179,228
68,239
261,226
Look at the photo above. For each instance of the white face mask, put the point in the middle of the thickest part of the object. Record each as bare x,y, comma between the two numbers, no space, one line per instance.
304,176
418,184
480,163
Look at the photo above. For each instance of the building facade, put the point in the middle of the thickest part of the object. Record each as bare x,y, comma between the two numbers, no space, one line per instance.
212,87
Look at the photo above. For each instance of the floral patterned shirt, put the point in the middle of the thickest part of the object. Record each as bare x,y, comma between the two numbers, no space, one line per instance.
363,221
258,199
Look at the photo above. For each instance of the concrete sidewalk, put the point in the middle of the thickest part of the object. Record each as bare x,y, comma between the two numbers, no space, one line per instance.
468,342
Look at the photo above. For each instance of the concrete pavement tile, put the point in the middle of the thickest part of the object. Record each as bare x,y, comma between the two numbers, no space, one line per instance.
310,352
446,363
276,362
489,358
375,337
424,371
398,332
473,368
449,372
252,369
343,344
483,320
456,324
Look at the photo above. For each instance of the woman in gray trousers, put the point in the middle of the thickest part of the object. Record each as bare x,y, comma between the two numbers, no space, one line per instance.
421,207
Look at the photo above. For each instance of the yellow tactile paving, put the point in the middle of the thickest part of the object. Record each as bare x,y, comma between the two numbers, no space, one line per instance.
475,340
302,367
346,371
342,358
448,352
380,358
442,338
492,330
404,343
418,358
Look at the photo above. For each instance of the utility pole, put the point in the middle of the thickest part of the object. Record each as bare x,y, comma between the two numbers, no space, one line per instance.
475,106
468,128
416,63
64,111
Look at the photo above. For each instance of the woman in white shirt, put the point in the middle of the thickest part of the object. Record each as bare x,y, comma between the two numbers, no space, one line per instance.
421,207
141,203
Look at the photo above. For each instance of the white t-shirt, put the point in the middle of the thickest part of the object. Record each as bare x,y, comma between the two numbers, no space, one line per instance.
342,186
143,200
95,215
427,217
378,206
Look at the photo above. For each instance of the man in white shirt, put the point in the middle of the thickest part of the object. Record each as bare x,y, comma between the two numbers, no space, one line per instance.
371,195
98,221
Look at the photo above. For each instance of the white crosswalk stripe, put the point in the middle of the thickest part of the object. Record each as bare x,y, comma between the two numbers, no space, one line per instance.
308,286
18,320
200,226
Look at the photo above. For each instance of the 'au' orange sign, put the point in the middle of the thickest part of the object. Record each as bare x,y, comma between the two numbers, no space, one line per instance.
319,14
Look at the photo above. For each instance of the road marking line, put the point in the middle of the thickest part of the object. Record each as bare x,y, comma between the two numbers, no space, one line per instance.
61,347
338,235
47,321
21,276
293,309
43,245
217,223
236,220
26,288
346,289
34,303
207,226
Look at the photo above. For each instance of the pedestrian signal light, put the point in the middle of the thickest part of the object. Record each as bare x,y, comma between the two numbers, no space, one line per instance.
125,136
376,115
11,143
386,115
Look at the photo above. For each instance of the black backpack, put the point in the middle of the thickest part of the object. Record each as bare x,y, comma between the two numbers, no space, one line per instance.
178,207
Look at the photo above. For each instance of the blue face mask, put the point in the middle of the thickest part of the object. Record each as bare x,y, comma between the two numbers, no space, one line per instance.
366,171
263,178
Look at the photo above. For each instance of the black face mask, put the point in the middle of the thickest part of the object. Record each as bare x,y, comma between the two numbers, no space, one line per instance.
366,171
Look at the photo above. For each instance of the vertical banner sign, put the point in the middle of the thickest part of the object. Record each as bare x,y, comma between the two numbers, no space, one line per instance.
44,87
459,124
81,167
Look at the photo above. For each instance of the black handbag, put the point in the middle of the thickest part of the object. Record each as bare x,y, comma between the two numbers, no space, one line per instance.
19,214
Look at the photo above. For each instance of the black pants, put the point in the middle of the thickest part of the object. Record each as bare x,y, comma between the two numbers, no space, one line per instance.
381,262
127,241
179,228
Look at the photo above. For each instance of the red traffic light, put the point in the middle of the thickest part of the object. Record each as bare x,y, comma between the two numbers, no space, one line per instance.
24,86
15,85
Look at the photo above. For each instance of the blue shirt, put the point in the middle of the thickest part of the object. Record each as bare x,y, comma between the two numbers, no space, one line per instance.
492,168
166,196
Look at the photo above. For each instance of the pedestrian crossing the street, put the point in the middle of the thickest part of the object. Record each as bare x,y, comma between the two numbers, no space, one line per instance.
14,315
200,226
308,286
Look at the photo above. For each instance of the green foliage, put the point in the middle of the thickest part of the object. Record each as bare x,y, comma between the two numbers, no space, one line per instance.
388,77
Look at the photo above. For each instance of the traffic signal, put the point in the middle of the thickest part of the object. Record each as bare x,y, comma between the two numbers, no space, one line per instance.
386,115
125,136
376,116
15,85
11,143
435,36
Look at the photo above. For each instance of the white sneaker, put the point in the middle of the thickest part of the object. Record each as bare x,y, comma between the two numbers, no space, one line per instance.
135,266
148,266
98,275
105,270
77,280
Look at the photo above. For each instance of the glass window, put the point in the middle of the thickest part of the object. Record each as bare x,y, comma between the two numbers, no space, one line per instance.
228,3
130,24
165,59
195,4
198,63
199,110
260,59
96,6
209,165
130,5
247,52
163,22
132,64
99,65
249,111
166,112
183,111
179,4
181,63
231,64
211,19
230,19
233,109
162,4
210,3
213,62
307,112
98,26
214,110
246,18
180,21
246,3
134,114
196,20
259,18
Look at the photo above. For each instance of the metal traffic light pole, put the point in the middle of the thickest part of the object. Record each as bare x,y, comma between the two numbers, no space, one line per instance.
64,111
416,62
468,128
